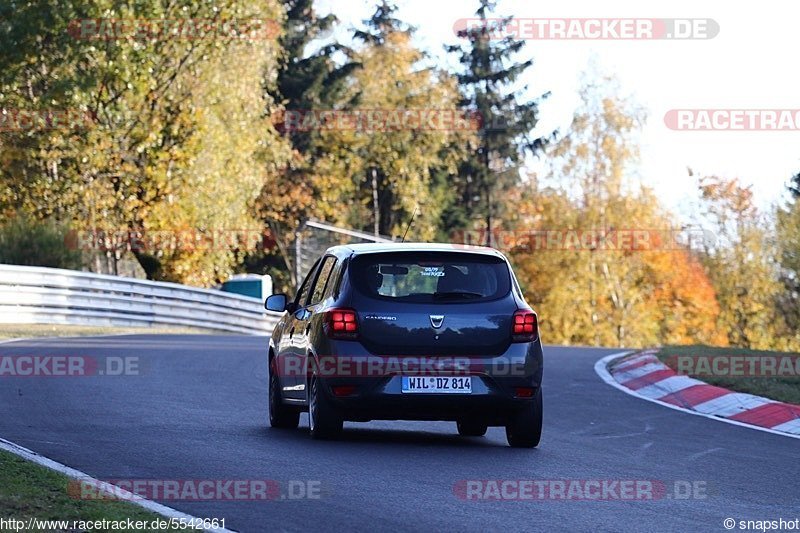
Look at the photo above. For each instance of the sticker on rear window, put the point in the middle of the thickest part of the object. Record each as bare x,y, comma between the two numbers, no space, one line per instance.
432,271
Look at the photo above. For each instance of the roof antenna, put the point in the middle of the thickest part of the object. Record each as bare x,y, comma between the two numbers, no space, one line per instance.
410,222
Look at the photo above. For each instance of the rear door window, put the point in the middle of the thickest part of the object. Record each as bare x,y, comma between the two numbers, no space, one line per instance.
322,280
430,277
305,288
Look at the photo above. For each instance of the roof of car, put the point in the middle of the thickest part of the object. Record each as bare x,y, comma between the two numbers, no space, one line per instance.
377,247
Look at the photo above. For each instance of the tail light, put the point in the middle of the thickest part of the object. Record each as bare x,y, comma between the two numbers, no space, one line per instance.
525,326
523,392
344,390
341,324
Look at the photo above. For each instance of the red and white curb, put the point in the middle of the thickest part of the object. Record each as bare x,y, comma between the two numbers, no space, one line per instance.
641,374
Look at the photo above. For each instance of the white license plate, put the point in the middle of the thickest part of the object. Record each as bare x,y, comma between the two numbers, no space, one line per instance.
436,384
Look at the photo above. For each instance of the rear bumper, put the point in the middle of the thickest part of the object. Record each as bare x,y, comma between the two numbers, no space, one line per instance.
493,408
495,383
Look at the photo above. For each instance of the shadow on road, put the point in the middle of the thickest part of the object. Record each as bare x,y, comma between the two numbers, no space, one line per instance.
367,435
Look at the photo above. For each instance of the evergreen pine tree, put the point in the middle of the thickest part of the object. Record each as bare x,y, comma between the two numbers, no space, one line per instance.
489,69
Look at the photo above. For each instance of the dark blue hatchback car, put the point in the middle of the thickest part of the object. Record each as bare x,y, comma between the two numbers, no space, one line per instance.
405,331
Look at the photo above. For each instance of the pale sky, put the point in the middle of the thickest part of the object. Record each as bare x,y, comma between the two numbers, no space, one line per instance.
750,64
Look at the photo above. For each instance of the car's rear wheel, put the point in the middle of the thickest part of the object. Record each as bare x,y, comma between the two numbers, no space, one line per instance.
524,430
324,421
470,428
280,415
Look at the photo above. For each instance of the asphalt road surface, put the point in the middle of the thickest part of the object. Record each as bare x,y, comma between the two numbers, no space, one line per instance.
199,411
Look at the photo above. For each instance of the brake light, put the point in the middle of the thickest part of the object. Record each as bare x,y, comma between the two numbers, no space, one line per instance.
524,327
341,324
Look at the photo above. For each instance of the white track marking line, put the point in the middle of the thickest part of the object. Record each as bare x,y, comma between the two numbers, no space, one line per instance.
72,473
9,341
121,494
601,370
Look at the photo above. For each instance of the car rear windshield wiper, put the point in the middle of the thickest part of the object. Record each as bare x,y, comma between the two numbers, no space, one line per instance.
456,295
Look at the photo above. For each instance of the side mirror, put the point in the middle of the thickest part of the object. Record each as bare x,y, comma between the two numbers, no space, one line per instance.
276,302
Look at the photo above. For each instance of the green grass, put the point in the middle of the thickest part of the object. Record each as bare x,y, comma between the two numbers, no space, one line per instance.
784,389
28,490
16,331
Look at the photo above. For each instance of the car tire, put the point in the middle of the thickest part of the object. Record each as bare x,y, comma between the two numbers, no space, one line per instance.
468,428
324,421
524,430
280,415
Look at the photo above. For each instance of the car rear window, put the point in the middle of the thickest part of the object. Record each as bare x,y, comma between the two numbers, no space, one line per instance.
430,277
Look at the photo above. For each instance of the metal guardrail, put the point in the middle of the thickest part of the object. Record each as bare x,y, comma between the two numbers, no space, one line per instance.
38,295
